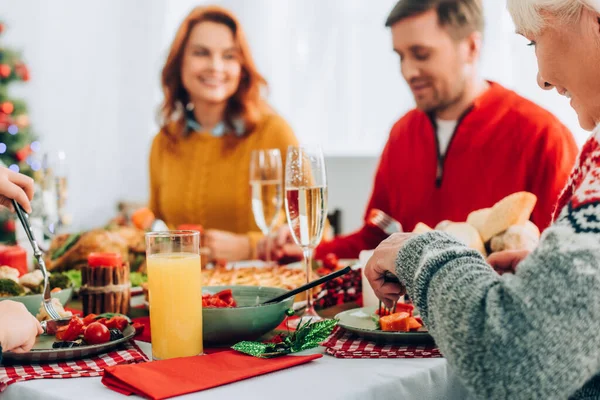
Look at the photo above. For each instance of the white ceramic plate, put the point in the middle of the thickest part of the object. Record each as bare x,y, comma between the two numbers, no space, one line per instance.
42,351
360,322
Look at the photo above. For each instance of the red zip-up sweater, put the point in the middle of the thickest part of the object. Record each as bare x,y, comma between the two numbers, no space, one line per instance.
502,144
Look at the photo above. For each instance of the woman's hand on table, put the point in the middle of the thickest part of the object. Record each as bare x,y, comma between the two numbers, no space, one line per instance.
18,328
507,261
281,245
226,245
382,263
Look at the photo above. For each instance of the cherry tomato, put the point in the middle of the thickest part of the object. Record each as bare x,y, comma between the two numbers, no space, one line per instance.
96,333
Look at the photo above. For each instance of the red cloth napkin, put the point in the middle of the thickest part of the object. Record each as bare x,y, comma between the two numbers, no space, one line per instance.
178,376
343,344
93,366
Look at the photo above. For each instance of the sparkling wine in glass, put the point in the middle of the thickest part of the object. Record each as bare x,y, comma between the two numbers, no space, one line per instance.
306,206
266,183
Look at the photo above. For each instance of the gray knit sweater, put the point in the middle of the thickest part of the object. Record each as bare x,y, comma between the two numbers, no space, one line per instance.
531,335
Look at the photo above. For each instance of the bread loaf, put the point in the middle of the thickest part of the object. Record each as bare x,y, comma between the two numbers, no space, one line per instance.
467,234
422,228
512,210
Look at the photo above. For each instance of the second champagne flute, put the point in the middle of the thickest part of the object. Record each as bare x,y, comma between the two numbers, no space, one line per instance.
266,181
306,206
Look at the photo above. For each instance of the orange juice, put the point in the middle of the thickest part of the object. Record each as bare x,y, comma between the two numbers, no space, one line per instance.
175,290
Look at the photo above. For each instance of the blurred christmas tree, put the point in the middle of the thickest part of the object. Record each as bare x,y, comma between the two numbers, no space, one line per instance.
17,142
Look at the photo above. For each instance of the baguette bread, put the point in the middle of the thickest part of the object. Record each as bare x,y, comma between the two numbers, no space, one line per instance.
422,228
512,210
467,234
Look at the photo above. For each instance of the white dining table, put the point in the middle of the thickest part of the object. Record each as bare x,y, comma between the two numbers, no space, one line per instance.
325,378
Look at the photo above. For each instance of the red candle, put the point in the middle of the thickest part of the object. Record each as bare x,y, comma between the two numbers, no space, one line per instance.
15,257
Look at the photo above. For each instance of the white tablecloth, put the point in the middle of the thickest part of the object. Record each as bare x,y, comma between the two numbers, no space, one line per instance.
325,378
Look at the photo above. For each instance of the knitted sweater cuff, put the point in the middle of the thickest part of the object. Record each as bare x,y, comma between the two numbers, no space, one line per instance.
410,261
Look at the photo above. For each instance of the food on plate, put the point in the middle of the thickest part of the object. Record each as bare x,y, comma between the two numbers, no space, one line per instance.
402,320
275,276
222,299
517,237
10,288
504,226
105,285
71,251
96,333
91,330
58,307
7,272
32,280
58,281
30,283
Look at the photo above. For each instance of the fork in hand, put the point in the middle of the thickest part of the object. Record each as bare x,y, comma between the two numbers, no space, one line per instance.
40,259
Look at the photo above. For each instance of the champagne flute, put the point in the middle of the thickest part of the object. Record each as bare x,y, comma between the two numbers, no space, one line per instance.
306,206
266,182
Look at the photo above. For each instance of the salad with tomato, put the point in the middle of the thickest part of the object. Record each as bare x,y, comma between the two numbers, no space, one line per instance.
92,329
222,299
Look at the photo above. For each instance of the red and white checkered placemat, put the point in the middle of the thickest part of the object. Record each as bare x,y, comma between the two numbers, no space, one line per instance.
343,344
129,353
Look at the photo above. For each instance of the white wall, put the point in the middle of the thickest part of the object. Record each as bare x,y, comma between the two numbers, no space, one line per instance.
95,84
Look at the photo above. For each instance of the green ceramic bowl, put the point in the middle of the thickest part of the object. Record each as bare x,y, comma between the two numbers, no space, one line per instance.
247,321
33,302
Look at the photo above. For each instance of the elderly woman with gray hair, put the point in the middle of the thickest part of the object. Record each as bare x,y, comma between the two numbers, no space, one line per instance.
534,333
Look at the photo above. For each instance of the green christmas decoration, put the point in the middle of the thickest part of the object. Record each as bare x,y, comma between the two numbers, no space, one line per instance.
17,141
307,336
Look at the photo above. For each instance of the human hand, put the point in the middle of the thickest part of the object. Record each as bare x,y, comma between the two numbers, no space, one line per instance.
14,185
226,245
382,263
506,261
18,328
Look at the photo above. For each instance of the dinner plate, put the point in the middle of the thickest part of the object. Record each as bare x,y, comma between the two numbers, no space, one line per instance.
360,321
42,351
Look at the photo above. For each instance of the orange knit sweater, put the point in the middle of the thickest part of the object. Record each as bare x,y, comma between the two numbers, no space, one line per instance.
204,179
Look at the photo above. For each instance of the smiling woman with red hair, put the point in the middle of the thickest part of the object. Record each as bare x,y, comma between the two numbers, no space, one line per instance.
212,117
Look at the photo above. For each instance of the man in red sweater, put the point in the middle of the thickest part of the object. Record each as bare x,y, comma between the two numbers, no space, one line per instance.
468,143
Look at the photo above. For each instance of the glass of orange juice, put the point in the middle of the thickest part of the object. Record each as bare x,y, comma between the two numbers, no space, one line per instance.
175,293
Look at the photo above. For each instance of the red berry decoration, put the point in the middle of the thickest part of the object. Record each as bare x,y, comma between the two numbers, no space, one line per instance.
22,71
2,27
4,70
23,153
7,107
9,226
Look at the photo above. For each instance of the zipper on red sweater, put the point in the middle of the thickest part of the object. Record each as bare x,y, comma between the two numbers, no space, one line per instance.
439,174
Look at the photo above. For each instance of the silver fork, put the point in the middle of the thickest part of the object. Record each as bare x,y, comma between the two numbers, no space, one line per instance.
388,277
383,221
24,218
